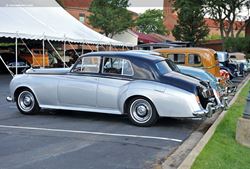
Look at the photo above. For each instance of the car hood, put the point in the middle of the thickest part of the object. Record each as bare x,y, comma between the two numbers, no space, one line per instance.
182,81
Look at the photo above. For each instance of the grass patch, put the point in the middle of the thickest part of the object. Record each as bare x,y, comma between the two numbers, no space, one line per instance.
222,151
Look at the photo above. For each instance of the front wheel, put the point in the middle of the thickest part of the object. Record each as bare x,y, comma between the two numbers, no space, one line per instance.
26,102
142,112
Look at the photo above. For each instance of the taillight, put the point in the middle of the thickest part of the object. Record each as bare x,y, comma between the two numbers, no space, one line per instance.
197,99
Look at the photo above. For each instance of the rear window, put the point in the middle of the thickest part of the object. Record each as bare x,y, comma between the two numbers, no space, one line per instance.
194,59
163,67
177,58
215,56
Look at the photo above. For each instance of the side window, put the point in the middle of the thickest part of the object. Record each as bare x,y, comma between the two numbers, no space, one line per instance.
194,59
117,66
88,65
177,58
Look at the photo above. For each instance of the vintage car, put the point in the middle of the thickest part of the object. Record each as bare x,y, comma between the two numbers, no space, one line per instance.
36,59
194,57
142,86
219,91
8,61
240,59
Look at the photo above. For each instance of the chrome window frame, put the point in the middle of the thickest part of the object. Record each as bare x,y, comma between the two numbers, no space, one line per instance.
123,61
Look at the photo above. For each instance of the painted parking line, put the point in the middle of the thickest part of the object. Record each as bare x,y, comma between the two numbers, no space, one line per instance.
92,133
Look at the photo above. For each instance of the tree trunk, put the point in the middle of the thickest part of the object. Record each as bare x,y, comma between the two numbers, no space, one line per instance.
222,30
242,27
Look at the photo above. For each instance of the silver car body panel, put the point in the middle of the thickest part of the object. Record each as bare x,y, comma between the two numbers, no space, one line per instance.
103,94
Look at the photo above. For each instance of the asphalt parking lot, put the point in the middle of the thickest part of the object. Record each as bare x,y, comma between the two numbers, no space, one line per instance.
66,139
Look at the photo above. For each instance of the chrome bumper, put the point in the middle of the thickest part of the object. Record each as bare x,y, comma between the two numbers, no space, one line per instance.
224,102
9,99
208,112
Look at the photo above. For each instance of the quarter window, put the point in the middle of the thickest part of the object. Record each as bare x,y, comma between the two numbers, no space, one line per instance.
194,59
117,66
88,65
177,58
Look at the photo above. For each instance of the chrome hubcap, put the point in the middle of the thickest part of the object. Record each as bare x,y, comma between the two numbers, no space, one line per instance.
141,111
26,101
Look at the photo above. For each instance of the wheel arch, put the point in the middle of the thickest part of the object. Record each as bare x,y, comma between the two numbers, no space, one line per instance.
128,99
21,88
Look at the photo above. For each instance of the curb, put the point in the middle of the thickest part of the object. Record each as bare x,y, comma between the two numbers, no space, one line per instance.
189,160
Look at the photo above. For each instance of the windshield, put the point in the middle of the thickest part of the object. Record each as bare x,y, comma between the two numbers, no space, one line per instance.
163,67
173,66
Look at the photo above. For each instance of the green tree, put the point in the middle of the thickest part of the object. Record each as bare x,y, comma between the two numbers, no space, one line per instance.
111,16
191,25
225,13
151,21
240,44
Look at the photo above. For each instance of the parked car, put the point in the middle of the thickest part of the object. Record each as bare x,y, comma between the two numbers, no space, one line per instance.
223,58
248,65
230,72
139,85
204,58
9,60
37,59
240,59
219,91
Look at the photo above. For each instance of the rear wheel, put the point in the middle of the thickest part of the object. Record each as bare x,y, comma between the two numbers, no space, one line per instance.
26,102
142,112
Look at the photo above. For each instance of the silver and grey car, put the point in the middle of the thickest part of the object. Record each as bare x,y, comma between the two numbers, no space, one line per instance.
139,85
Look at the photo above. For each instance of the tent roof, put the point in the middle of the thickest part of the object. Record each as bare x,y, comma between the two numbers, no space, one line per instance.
45,19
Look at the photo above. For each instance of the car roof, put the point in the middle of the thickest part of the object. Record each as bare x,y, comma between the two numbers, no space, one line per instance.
128,54
188,49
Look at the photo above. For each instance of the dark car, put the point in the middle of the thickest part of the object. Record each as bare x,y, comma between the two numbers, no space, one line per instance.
10,61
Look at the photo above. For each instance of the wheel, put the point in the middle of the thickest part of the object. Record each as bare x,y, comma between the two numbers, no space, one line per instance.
142,112
26,102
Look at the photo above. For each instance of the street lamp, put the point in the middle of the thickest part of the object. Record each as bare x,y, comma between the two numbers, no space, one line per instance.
243,125
246,113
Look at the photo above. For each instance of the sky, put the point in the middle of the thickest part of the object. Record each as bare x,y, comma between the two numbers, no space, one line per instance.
140,6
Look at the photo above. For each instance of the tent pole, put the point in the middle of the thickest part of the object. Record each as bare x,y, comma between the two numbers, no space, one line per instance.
97,47
43,53
89,47
82,48
74,49
57,52
34,58
11,73
64,52
16,57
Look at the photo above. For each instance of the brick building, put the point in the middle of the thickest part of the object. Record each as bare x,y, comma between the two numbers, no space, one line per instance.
78,9
170,20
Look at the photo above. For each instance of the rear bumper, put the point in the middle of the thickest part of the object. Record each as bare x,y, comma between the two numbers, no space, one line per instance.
208,112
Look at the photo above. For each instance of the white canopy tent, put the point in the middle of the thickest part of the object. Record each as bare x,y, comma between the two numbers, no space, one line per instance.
46,20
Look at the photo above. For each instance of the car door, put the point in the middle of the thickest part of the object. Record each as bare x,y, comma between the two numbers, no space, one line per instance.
79,87
116,74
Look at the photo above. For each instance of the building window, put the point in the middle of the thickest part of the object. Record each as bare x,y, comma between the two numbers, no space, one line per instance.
81,17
